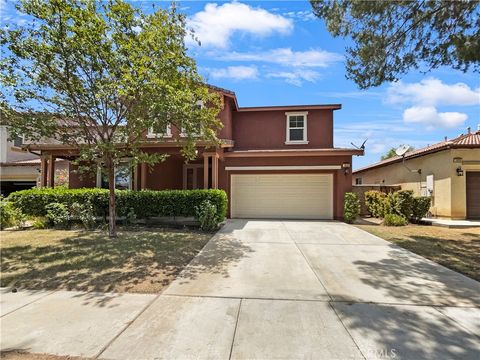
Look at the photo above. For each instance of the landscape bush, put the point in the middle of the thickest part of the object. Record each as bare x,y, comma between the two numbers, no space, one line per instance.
144,204
394,220
9,215
39,223
420,207
206,215
404,200
375,203
58,215
351,208
82,213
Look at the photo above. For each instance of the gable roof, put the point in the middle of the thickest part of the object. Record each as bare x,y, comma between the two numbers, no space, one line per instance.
469,140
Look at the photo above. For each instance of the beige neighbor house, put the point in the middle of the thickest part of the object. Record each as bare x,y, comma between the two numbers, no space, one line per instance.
448,171
20,169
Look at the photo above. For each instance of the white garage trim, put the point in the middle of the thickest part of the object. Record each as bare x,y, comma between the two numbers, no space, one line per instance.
282,196
313,167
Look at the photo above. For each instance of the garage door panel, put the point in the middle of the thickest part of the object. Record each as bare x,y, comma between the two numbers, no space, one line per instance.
295,196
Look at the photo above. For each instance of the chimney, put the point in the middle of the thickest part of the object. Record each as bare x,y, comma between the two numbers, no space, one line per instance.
469,130
446,138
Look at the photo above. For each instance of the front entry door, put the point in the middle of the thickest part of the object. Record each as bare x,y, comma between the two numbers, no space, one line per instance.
192,176
473,194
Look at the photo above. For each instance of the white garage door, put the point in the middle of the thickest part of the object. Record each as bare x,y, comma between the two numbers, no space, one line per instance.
286,196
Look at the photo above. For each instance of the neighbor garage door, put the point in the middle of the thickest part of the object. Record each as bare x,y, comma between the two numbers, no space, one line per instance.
473,194
286,196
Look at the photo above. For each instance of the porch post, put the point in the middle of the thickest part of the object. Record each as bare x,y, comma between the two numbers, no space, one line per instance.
51,171
136,176
43,171
215,171
205,171
143,176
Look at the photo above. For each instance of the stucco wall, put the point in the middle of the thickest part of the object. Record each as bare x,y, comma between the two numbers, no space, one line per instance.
225,117
449,197
267,129
459,192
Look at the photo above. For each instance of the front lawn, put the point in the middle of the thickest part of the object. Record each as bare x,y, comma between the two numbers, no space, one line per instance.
457,249
141,260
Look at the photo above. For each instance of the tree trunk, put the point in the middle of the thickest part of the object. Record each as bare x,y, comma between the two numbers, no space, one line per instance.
112,227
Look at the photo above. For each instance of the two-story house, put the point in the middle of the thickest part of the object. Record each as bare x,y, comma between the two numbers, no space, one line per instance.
273,162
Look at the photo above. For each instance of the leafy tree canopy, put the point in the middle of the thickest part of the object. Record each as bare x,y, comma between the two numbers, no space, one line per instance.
96,75
391,153
392,37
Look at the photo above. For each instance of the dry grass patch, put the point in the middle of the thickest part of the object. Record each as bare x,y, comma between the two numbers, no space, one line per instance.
140,261
457,249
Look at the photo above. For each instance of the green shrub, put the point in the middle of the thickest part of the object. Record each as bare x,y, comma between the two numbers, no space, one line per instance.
404,199
206,214
8,214
83,213
420,207
130,217
58,215
375,203
351,208
145,203
40,223
399,203
394,220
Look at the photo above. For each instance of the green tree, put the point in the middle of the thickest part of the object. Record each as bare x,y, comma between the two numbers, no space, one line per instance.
96,75
392,37
391,153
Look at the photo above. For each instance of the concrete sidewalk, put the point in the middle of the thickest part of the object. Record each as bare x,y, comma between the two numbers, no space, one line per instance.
262,290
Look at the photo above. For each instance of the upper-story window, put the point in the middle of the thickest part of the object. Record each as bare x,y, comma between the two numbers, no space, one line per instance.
296,128
165,131
358,181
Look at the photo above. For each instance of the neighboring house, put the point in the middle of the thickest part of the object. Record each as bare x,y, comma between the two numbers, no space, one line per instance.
448,171
273,162
19,169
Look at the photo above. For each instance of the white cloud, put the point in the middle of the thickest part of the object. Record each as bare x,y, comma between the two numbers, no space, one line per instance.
429,116
235,72
215,25
429,94
297,77
432,92
288,57
300,15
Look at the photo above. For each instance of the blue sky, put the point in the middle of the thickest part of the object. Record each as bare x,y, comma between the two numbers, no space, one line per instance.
278,53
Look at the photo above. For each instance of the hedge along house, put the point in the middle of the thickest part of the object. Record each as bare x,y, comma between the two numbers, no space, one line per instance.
273,162
448,171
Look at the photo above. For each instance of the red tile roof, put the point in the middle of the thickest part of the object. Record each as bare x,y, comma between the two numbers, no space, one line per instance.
470,140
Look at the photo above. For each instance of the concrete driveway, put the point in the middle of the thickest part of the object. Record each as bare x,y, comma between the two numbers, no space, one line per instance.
289,290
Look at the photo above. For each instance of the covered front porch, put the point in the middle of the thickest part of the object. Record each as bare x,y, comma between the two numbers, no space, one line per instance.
174,173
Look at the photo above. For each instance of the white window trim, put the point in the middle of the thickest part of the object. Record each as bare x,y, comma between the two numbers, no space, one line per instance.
182,130
167,134
287,135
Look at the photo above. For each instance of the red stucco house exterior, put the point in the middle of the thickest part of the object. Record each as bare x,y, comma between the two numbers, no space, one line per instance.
274,162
